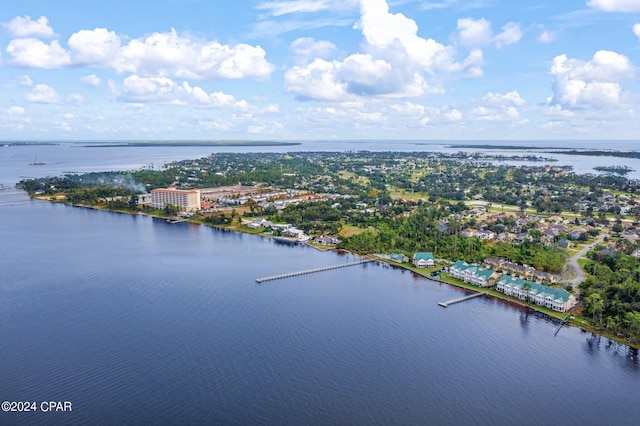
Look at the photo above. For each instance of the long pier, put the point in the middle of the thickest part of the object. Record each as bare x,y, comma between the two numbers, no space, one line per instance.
460,299
312,271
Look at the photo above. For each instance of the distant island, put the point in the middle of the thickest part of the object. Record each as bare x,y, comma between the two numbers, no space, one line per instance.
190,143
505,147
618,170
599,153
113,144
555,150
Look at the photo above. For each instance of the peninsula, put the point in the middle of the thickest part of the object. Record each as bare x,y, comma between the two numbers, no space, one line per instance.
508,230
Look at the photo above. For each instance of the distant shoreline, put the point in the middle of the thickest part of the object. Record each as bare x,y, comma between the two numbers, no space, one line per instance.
173,143
189,143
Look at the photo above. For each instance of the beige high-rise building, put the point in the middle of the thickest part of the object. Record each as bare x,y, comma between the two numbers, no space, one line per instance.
187,200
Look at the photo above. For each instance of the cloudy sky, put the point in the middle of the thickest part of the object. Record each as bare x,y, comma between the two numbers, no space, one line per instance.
319,69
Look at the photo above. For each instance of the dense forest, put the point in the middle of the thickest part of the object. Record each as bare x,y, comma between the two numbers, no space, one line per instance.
611,293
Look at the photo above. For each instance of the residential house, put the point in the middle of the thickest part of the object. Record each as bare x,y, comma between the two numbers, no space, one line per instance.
259,223
457,269
576,234
553,298
473,274
398,257
326,240
423,259
486,234
521,238
505,237
469,232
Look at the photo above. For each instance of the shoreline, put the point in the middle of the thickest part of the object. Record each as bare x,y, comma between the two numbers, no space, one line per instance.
572,322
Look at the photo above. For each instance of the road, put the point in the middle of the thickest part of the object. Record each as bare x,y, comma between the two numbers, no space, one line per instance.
573,262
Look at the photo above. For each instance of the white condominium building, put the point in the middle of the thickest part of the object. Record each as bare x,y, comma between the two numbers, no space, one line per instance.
187,200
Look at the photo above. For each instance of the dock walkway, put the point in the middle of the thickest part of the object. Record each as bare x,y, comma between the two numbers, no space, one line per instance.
312,271
460,299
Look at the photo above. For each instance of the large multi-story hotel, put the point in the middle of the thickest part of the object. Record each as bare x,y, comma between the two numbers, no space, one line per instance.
187,200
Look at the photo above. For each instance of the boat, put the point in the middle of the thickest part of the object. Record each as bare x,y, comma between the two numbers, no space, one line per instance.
37,163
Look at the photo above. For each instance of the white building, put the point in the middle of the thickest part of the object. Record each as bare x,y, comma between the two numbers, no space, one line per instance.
187,200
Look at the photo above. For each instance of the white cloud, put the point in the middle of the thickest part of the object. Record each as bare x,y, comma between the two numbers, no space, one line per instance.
437,5
474,32
16,110
636,30
392,64
21,80
421,115
615,5
24,80
75,98
453,115
169,54
163,90
90,80
96,47
31,52
156,55
511,34
547,36
499,107
593,83
510,99
279,8
394,36
318,80
42,94
605,65
308,47
24,26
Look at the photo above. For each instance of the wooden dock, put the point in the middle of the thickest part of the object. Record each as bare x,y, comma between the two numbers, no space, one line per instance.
312,271
566,317
460,299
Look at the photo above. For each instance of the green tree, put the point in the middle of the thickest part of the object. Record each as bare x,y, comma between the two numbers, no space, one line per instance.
133,202
595,305
171,210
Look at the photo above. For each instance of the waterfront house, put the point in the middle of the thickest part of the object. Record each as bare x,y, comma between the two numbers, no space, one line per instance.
553,298
473,274
483,277
326,240
259,223
398,257
457,269
423,259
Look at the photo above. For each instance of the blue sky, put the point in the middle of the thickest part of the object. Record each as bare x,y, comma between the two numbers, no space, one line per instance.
319,69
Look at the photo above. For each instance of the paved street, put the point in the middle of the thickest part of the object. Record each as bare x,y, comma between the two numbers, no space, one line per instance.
573,262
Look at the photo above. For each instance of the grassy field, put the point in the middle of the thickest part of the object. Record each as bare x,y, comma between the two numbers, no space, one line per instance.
407,195
361,180
350,230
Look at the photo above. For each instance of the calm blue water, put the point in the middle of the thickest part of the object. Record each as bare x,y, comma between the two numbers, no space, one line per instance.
137,321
